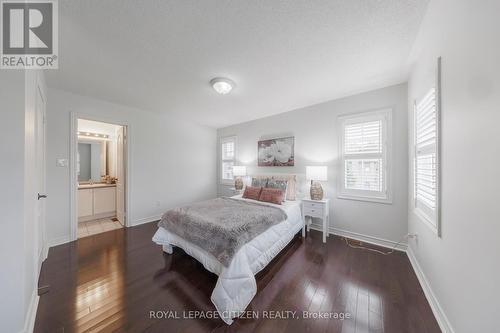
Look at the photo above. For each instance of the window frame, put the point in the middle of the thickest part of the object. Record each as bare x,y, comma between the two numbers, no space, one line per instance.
223,140
384,196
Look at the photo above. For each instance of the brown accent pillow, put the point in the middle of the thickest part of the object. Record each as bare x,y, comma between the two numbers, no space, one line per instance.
272,195
252,192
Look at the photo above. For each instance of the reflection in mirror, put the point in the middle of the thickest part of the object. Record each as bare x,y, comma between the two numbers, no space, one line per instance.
91,160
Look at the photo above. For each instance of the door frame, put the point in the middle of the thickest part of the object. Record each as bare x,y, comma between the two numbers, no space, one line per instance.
72,165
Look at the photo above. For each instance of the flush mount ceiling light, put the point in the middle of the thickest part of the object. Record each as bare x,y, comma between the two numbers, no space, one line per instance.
222,85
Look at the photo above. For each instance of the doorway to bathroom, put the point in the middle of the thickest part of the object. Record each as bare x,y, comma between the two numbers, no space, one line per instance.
100,152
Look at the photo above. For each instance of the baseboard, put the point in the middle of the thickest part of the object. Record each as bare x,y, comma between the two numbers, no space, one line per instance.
364,238
59,240
439,314
66,239
146,220
43,255
29,320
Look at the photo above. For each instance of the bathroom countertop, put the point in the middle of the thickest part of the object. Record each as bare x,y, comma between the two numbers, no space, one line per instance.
95,185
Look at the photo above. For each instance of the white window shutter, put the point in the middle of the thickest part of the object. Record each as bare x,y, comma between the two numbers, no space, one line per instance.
363,138
228,155
365,156
426,166
228,150
364,174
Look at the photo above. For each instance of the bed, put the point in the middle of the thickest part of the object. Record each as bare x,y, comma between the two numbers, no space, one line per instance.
236,285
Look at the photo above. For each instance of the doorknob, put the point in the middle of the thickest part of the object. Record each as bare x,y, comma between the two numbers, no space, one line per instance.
41,196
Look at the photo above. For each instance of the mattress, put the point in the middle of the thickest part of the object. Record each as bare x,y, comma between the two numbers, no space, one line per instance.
236,285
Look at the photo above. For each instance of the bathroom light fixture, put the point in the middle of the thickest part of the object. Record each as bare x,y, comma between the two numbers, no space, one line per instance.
93,135
222,85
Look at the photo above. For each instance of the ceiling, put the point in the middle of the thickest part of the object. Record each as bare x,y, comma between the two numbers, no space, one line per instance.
160,55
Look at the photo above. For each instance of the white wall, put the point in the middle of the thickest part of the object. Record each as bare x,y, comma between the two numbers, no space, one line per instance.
18,243
173,160
316,143
462,268
12,200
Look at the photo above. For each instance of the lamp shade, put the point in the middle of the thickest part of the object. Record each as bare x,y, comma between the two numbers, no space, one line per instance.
239,170
316,173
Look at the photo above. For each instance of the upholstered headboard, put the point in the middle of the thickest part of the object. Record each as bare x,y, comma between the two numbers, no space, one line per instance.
292,183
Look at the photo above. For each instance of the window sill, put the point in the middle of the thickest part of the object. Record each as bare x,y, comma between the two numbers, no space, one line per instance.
387,201
427,221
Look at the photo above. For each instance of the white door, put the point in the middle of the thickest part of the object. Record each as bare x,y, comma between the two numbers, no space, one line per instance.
120,173
40,173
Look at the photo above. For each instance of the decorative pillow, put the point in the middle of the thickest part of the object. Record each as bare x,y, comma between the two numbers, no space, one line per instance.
272,195
259,182
279,184
252,192
291,179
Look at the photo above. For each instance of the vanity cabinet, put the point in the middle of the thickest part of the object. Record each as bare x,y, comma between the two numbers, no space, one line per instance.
96,202
85,202
104,200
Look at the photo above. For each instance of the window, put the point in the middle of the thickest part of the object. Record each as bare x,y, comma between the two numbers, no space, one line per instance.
228,154
365,152
426,159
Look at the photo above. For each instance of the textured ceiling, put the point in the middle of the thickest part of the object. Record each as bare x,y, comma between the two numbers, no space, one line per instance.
160,55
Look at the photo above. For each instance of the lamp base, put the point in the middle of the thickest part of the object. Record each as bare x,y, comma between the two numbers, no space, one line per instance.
316,191
238,184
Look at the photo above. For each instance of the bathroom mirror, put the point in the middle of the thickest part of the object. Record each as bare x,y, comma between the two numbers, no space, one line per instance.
91,160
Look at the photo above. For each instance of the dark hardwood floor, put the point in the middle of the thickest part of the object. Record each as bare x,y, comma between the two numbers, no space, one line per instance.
111,281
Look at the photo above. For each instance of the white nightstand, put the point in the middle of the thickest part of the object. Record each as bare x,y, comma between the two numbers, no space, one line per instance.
319,209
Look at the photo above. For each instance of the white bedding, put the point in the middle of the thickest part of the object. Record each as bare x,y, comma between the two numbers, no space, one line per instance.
236,285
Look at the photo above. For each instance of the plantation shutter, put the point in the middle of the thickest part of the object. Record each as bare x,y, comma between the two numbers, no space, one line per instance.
227,155
363,138
425,182
228,150
363,156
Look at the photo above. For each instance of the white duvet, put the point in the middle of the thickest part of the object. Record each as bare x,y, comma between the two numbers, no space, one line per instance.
236,285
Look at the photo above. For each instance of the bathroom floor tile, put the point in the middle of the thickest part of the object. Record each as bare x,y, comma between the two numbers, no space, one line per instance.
94,227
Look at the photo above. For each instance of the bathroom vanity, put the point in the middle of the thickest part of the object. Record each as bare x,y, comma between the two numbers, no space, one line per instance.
96,201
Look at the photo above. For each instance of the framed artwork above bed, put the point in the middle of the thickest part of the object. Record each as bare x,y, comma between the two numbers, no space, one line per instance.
276,152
